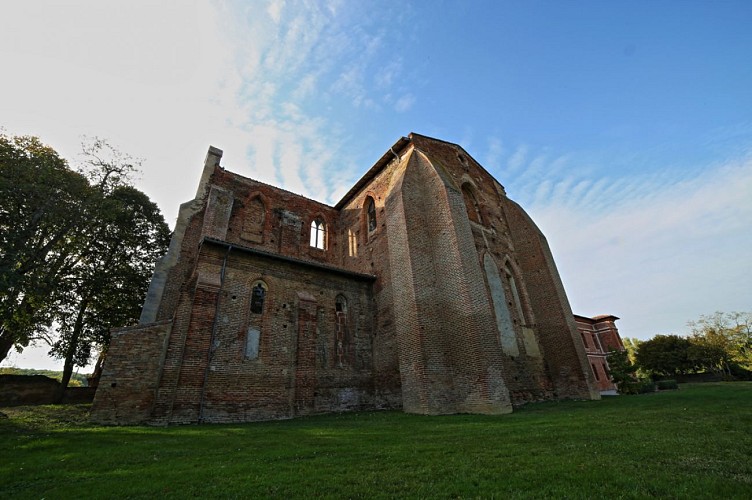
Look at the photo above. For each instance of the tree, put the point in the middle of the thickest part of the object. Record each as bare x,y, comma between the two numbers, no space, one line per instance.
665,355
40,210
622,371
77,250
631,345
710,352
724,340
108,284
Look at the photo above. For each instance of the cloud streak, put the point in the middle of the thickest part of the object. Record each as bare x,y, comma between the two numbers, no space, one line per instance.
648,248
295,61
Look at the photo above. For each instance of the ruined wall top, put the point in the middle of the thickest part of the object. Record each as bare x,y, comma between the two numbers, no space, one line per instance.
213,156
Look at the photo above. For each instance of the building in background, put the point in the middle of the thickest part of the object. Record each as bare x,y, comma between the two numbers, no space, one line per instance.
425,288
600,336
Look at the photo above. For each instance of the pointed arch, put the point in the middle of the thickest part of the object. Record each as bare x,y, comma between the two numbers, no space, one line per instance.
352,243
258,295
370,206
259,291
504,321
522,307
520,299
254,219
471,203
318,234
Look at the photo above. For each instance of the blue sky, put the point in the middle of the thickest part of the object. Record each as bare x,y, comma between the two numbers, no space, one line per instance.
624,128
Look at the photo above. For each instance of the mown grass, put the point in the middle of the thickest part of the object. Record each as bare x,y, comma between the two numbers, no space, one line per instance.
691,443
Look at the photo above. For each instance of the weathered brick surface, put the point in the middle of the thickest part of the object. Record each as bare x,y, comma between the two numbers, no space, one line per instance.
443,299
128,385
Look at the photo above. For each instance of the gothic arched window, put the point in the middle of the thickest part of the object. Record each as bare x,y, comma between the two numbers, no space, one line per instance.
515,294
352,243
258,294
471,204
253,334
318,234
253,224
371,214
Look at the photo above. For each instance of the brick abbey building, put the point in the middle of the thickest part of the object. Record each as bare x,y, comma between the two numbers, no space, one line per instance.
425,288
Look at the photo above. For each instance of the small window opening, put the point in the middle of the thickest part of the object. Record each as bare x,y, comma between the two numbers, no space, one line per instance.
595,371
352,243
371,210
258,294
318,234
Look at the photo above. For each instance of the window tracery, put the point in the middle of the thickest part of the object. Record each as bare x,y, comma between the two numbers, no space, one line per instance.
318,234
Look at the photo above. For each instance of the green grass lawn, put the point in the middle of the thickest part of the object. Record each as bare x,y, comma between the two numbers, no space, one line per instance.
691,443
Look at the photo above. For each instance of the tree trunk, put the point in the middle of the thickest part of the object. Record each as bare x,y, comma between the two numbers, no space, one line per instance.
97,373
6,342
70,353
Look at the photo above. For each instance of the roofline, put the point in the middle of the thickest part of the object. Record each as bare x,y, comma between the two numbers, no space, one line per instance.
459,146
596,319
271,186
395,151
411,134
377,167
292,260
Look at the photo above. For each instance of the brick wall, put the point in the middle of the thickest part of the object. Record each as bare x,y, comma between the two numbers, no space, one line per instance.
443,299
128,384
524,372
564,355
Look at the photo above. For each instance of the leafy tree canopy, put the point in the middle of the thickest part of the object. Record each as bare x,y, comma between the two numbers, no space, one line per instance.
665,355
40,211
720,343
77,247
723,340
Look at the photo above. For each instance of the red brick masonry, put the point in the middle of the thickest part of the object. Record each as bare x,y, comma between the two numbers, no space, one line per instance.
425,288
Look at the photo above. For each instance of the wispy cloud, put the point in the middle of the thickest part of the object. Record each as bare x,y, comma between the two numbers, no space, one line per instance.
516,161
648,248
294,60
404,103
494,153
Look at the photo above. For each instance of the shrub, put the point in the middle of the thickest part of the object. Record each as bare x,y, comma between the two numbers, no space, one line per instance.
667,385
646,386
640,386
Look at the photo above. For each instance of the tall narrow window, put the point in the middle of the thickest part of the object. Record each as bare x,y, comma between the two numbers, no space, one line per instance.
515,294
352,243
471,204
318,234
253,333
371,214
504,322
253,224
342,339
258,294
